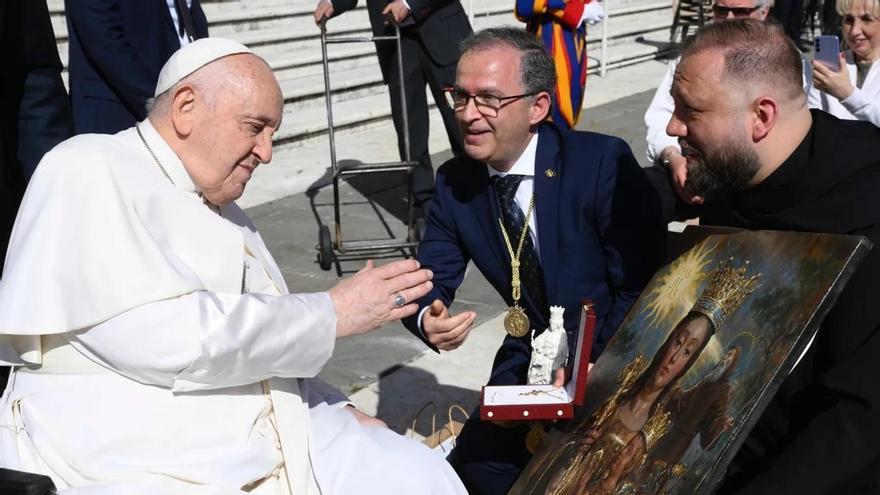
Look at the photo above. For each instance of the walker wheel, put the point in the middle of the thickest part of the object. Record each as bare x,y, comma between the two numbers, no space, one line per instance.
325,248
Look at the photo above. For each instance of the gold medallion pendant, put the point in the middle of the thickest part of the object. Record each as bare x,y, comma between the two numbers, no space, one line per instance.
534,437
516,322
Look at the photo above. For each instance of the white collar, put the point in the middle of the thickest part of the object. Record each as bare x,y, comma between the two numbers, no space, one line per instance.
167,157
525,164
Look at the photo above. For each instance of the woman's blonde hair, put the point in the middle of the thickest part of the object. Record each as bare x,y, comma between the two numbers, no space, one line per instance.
843,6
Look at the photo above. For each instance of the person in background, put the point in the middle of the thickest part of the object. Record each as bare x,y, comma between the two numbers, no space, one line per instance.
34,111
790,15
831,20
561,26
853,92
117,48
430,33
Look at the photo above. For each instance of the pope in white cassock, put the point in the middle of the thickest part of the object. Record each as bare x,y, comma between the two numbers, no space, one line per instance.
156,346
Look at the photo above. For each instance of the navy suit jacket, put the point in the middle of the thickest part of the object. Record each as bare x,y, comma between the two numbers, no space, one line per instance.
117,48
599,228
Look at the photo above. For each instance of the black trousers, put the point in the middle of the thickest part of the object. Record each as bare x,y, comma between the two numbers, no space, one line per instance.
419,72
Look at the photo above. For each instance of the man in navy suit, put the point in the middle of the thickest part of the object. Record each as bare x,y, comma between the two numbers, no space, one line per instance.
594,228
430,33
117,48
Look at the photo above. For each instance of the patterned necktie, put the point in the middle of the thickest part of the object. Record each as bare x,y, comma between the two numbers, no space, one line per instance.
514,221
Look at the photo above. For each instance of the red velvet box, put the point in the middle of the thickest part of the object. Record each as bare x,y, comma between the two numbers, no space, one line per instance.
538,402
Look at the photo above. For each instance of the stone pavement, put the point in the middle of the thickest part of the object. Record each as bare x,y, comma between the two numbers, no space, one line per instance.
389,372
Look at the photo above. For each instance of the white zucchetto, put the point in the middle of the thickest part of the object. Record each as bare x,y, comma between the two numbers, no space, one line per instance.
193,57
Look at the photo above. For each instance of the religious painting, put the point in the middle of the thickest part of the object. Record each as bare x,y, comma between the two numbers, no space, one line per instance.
694,363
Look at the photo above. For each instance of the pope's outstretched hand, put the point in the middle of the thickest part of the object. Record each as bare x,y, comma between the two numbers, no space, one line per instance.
375,296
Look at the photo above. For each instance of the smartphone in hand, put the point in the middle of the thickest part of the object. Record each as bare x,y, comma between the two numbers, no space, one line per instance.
828,51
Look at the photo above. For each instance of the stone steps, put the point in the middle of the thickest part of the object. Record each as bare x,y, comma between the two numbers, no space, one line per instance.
303,122
284,33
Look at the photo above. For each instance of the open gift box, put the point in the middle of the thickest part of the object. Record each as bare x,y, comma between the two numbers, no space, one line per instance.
539,402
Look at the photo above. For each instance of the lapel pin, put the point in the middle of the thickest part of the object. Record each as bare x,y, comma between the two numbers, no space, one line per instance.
550,173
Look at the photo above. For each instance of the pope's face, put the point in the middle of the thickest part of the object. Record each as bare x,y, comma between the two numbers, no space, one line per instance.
711,124
686,340
233,134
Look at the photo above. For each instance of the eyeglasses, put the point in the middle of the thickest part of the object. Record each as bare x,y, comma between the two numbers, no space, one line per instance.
488,105
722,12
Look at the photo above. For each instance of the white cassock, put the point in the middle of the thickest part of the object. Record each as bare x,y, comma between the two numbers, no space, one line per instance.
158,348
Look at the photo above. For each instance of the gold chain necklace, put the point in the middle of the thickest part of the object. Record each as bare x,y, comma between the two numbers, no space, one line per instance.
516,322
549,393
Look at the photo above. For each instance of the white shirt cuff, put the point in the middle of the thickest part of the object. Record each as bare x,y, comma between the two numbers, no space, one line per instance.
419,321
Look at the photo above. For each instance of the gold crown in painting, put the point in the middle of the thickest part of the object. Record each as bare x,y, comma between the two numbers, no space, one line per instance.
656,426
726,291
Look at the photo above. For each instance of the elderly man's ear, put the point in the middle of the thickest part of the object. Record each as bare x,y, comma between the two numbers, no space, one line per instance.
540,108
182,110
765,112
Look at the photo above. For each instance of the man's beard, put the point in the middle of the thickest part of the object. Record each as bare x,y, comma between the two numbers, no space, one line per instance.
730,169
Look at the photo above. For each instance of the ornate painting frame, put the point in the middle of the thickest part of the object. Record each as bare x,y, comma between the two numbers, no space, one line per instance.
693,365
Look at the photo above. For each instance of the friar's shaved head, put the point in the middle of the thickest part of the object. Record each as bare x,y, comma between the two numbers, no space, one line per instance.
740,107
757,55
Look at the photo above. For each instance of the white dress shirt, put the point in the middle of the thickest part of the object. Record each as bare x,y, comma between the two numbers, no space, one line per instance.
524,165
